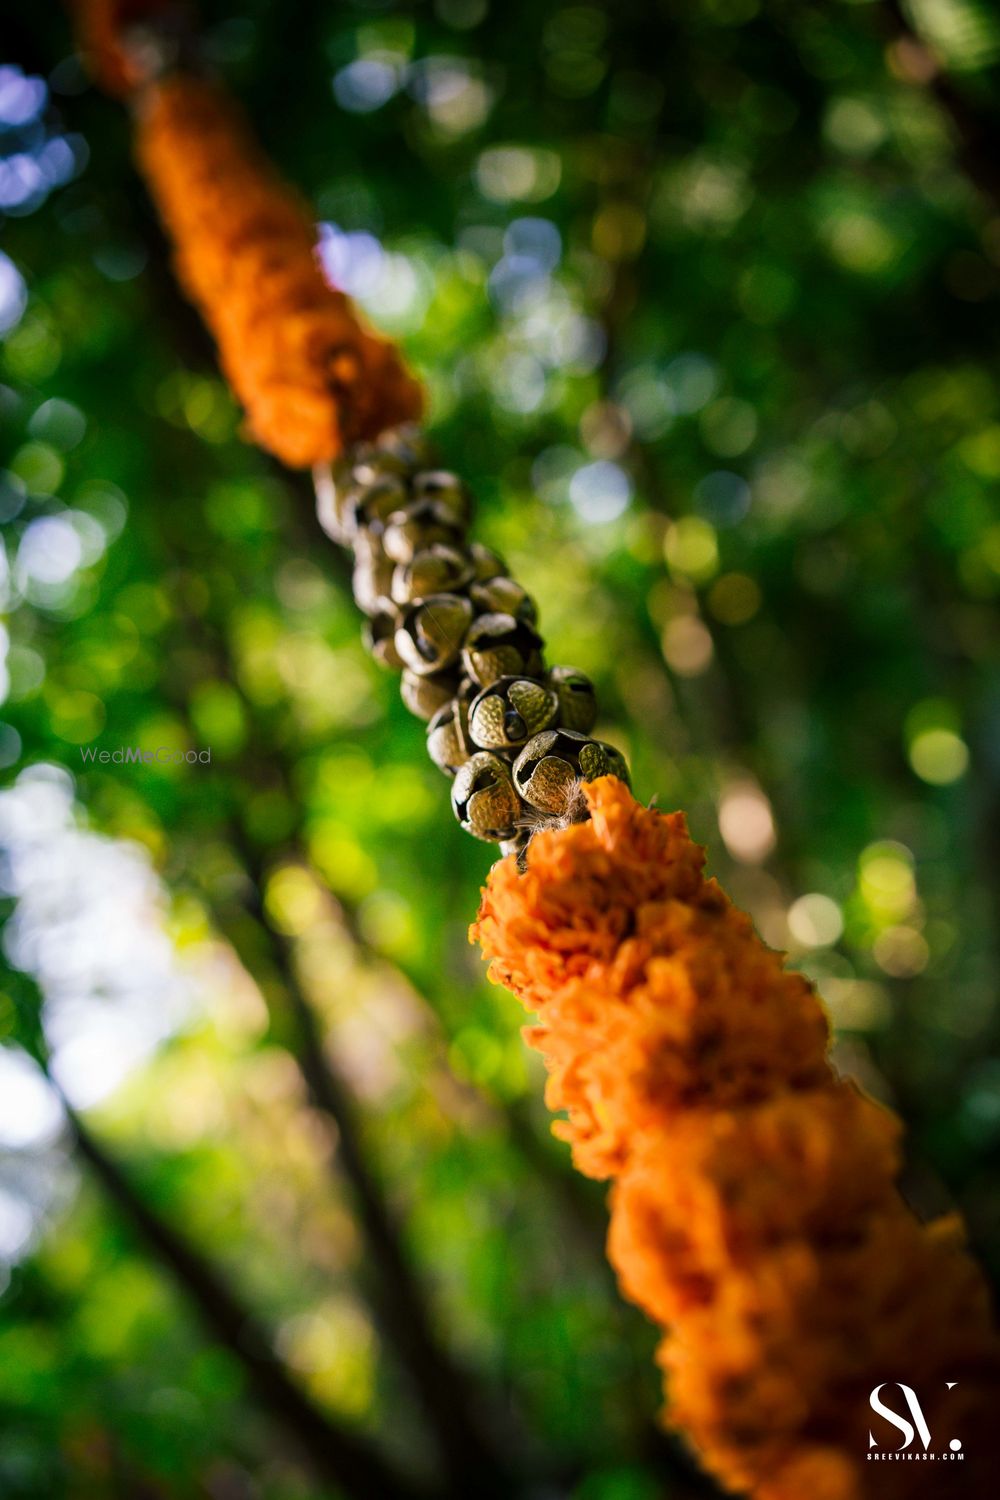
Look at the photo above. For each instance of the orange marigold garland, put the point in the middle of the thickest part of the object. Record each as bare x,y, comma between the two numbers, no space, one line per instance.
754,1209
311,378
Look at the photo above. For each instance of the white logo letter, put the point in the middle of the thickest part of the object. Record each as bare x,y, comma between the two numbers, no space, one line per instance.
903,1425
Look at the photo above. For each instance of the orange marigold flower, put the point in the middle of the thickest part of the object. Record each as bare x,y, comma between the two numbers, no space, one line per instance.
754,1212
310,377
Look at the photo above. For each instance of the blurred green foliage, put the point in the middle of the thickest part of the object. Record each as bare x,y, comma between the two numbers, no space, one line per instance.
705,296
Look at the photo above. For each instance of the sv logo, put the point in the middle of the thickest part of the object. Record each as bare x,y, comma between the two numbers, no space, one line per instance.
908,1429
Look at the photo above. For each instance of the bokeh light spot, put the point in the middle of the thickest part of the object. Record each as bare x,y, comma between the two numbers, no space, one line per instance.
691,549
815,920
746,822
687,646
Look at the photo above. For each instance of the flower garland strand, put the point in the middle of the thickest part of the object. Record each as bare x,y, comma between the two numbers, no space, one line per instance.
754,1213
310,377
754,1210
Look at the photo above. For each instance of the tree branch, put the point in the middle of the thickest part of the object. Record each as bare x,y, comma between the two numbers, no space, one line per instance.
333,1451
444,1391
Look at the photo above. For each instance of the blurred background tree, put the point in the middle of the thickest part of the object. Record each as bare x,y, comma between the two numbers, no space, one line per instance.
705,297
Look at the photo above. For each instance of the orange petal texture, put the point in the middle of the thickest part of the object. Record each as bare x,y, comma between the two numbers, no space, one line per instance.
311,378
754,1212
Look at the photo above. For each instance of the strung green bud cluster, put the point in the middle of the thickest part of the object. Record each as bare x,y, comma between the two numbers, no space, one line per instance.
442,610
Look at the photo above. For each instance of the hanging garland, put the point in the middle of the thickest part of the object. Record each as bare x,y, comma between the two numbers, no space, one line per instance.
310,377
755,1215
